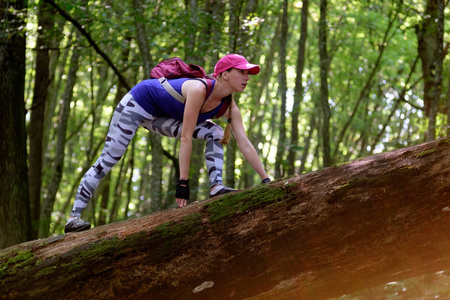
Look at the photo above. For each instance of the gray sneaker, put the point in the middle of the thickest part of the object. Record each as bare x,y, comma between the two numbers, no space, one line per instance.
223,190
76,224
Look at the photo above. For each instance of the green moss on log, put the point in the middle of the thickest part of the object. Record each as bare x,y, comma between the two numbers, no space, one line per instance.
17,259
171,234
234,203
426,153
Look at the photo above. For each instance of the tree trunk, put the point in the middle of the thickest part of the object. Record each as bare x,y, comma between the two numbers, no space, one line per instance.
58,163
58,60
432,128
191,30
255,132
154,139
240,39
427,42
37,115
15,225
234,24
216,19
104,195
118,188
196,164
448,101
130,180
307,144
145,184
324,105
230,163
230,151
141,30
281,147
197,160
319,235
298,90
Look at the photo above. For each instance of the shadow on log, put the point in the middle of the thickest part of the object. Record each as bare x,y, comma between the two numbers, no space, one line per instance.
327,233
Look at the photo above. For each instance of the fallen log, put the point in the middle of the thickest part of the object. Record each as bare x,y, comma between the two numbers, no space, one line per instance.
323,234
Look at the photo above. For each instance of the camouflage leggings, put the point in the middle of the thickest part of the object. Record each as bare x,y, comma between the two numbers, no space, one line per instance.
126,119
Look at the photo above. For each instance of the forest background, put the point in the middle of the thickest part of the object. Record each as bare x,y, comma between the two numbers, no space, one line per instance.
340,80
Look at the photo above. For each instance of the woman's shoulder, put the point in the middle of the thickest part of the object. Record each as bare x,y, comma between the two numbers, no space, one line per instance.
184,79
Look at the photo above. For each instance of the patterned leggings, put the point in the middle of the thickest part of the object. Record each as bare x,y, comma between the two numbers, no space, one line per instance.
126,119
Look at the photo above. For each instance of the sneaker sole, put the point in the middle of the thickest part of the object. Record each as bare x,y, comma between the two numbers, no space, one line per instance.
86,227
222,192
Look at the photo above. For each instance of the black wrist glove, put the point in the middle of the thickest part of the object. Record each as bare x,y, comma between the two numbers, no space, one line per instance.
182,189
266,180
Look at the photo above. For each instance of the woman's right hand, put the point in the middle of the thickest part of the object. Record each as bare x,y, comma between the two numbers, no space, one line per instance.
182,192
181,202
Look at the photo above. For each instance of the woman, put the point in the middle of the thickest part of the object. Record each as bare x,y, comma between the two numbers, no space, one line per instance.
149,105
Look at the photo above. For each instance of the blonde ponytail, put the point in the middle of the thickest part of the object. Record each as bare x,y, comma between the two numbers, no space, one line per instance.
227,133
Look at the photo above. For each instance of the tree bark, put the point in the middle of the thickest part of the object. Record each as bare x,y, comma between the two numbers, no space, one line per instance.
15,226
319,235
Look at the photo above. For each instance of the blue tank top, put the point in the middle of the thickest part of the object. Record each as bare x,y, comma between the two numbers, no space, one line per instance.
155,100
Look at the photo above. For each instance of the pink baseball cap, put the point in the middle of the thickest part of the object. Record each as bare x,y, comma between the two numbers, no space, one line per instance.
235,61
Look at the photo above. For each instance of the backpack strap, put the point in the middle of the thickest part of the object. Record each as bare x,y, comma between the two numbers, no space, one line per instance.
208,84
171,90
223,109
165,83
209,87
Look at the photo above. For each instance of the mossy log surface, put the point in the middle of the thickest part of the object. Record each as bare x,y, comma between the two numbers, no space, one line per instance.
319,235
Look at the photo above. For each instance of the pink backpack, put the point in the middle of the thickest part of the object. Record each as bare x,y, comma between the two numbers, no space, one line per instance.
175,67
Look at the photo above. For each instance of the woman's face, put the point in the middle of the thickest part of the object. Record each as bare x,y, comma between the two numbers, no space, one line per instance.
238,79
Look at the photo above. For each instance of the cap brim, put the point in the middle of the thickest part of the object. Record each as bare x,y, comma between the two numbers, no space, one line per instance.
252,69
